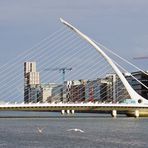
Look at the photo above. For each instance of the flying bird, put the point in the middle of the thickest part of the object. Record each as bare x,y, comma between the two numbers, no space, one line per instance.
76,130
40,130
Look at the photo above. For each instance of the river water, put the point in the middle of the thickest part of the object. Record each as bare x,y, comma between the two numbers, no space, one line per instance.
50,130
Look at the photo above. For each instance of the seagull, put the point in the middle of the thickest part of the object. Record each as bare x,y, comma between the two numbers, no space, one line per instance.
40,130
76,130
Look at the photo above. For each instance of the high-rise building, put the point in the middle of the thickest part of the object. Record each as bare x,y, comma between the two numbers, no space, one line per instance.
33,78
32,94
31,83
29,67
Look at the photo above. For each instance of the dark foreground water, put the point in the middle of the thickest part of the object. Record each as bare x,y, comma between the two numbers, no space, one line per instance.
100,131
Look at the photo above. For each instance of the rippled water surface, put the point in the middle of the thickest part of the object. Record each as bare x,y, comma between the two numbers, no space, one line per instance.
52,130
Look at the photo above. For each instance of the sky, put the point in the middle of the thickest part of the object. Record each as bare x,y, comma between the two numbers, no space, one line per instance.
117,24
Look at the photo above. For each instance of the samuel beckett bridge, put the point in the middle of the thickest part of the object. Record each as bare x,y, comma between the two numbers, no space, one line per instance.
62,54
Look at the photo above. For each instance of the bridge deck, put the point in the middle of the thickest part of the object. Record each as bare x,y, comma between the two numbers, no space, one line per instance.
73,106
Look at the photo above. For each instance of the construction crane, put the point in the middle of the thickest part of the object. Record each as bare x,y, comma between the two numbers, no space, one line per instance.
63,70
140,58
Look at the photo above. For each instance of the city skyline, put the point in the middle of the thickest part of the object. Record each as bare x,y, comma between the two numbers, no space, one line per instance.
119,28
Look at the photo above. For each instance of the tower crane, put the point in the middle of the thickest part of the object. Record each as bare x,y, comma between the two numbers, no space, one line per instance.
63,70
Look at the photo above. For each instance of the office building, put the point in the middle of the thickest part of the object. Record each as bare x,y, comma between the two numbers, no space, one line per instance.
32,94
139,88
111,89
58,94
92,90
47,92
31,83
75,90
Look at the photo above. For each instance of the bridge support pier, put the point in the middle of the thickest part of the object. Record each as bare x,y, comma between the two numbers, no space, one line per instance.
62,112
136,113
68,111
114,113
72,111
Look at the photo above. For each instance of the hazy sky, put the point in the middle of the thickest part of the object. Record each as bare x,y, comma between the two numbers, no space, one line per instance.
120,25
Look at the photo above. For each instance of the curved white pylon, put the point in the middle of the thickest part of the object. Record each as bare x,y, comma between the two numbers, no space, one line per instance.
133,94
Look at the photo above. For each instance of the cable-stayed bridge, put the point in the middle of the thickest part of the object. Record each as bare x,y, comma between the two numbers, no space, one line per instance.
138,108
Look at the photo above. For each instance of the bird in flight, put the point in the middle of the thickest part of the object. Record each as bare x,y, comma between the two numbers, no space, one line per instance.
76,130
40,130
